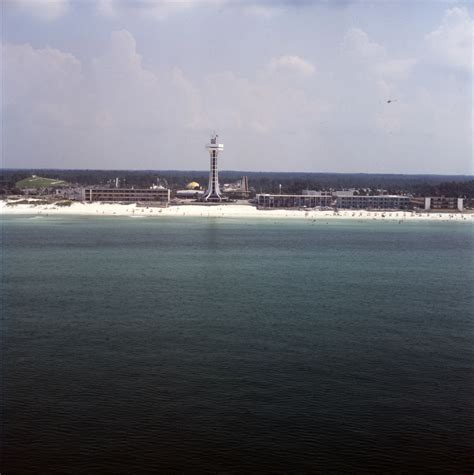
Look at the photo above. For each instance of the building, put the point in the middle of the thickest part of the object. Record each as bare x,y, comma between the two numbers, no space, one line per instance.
373,202
76,193
266,201
316,193
344,192
213,193
468,203
444,203
193,185
238,190
189,194
128,195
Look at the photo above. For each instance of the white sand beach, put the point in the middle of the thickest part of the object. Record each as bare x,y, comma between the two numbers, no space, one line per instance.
10,207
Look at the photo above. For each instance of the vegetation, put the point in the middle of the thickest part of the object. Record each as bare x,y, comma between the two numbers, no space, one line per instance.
29,202
38,182
260,182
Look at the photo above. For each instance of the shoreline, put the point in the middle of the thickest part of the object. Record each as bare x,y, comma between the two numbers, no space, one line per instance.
9,208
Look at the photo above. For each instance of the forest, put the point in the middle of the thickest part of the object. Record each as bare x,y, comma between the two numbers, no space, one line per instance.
260,182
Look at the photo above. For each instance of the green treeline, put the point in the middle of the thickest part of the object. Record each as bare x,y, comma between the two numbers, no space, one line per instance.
260,182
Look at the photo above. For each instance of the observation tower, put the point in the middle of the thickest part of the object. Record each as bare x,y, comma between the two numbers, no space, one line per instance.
213,193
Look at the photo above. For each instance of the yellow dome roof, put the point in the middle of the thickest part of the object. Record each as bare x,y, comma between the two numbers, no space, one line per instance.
193,185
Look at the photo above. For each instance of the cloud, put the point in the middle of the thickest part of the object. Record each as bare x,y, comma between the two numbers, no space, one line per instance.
46,74
48,10
293,64
133,97
124,109
357,43
369,58
117,111
161,9
155,9
451,43
395,69
263,10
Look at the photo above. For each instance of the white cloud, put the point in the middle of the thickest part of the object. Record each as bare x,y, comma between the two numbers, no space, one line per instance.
155,9
47,10
122,106
294,64
371,59
395,69
115,111
357,43
263,10
38,74
161,9
106,7
451,43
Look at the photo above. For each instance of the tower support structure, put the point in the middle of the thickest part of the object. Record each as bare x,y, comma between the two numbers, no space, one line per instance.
213,193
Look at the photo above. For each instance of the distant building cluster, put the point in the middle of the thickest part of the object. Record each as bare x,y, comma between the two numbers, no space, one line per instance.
160,195
233,191
347,199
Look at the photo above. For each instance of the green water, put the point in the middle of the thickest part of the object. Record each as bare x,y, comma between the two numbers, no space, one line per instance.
144,345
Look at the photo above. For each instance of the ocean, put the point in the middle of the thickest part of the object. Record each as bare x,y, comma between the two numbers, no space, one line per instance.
222,345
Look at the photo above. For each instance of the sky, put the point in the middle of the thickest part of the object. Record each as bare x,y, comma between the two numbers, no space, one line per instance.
289,85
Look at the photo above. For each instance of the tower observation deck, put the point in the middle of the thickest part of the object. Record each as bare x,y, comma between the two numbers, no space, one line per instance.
213,193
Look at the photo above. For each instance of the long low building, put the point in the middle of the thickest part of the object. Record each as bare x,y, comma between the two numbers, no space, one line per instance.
293,201
129,195
373,202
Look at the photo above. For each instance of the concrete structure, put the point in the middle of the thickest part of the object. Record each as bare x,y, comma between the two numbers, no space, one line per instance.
417,202
189,194
237,190
329,193
129,195
292,201
468,203
344,192
373,202
316,193
213,193
444,203
76,193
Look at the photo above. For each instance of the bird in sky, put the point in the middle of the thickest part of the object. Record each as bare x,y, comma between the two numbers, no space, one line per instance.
391,100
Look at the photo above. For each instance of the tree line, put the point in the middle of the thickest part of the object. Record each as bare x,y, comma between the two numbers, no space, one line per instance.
260,182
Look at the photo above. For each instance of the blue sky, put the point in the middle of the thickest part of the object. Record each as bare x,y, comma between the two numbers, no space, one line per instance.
288,85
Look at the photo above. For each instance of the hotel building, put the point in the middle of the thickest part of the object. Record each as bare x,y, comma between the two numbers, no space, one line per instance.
266,201
128,195
373,202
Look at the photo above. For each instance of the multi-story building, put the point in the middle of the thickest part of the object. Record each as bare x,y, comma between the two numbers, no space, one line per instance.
444,202
373,202
316,193
129,195
74,193
293,201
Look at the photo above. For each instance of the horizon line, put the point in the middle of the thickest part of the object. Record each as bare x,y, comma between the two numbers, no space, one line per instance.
236,171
